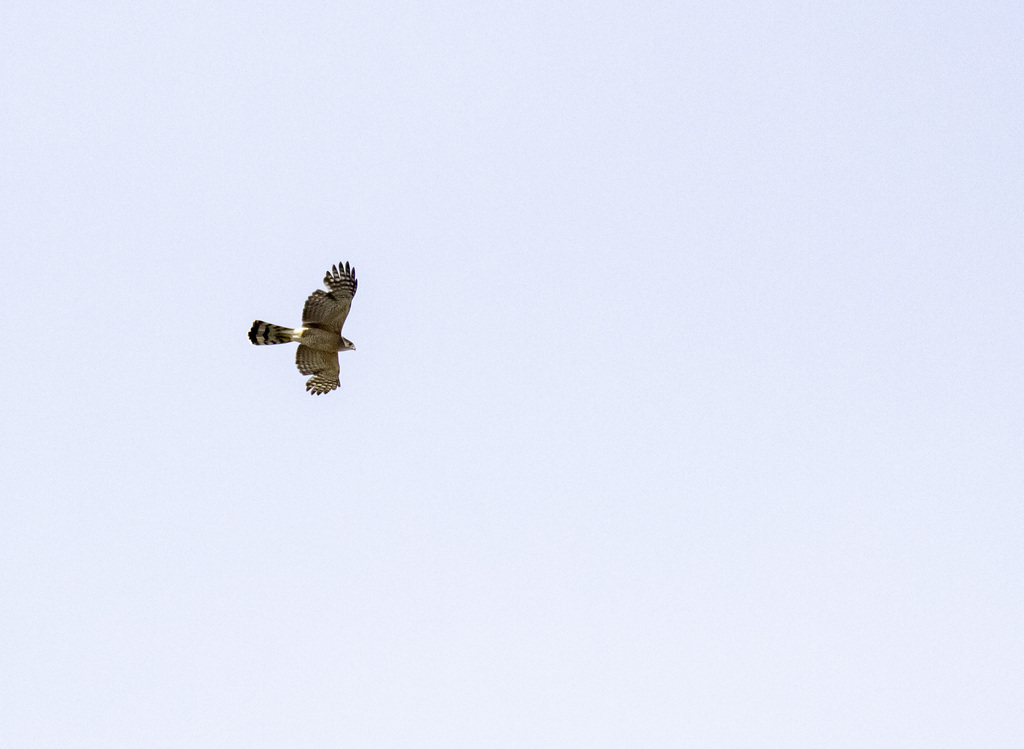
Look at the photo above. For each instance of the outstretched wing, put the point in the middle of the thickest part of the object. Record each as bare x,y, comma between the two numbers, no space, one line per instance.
323,365
329,309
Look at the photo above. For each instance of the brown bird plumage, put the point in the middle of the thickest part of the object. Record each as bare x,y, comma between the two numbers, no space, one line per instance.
320,337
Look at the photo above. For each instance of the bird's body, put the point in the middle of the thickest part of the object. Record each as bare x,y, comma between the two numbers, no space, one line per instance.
263,334
320,338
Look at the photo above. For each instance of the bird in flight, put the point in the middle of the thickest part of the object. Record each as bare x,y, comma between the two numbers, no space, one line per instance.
320,337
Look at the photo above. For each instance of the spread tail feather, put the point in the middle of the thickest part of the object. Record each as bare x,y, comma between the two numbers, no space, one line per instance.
263,333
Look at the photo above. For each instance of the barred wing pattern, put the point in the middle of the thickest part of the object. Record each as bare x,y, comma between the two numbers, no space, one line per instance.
323,365
320,337
328,310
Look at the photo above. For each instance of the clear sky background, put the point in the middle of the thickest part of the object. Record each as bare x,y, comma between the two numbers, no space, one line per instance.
686,409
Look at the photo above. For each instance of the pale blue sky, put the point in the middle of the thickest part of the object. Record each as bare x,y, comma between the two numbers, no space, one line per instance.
686,410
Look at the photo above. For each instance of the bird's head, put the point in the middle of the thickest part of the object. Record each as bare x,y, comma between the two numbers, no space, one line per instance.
347,345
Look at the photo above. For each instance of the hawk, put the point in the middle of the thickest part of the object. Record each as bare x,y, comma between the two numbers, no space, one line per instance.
320,337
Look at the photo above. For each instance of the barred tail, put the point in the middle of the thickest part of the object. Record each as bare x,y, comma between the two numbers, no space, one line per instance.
263,333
